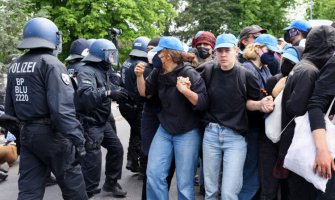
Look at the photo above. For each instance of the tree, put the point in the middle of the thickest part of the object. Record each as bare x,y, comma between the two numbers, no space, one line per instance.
323,9
91,19
14,14
230,16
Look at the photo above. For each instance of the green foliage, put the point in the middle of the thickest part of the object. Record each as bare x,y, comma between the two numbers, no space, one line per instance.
230,16
14,14
91,19
323,9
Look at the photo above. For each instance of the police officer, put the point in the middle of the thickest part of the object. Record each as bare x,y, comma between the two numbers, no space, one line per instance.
132,109
95,93
78,50
40,95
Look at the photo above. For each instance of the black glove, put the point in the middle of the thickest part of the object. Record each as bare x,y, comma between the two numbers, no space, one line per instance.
80,153
118,95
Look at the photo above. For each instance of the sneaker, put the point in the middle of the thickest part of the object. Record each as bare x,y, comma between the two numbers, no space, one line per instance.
133,166
115,188
50,181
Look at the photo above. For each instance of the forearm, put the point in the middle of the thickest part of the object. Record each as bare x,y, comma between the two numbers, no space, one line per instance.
141,85
320,139
253,105
191,96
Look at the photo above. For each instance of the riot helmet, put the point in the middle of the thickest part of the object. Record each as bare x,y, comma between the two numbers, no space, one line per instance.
41,33
102,50
78,49
139,48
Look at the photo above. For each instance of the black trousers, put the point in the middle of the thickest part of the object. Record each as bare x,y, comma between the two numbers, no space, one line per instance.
43,150
133,116
105,136
268,154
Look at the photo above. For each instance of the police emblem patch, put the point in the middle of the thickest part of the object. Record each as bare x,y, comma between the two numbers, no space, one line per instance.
66,79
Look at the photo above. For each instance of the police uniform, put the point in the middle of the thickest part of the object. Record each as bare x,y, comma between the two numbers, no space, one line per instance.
132,112
40,94
94,112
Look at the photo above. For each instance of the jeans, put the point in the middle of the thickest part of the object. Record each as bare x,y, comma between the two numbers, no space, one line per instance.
222,145
251,182
184,148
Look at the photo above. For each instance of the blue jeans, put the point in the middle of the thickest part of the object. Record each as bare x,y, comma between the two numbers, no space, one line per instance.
251,182
223,146
184,148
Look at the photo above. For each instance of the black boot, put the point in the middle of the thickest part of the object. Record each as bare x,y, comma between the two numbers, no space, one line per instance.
93,192
114,187
50,181
133,166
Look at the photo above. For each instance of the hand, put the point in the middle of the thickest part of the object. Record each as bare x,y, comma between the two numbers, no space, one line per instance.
118,95
139,69
183,84
80,154
267,104
324,163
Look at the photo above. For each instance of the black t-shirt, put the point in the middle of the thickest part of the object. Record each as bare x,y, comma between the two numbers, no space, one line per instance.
177,114
227,103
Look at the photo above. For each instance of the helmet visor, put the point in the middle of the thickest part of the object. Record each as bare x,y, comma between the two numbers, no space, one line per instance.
111,56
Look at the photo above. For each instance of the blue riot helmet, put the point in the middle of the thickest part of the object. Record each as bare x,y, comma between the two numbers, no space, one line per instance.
139,48
78,49
90,41
102,50
41,33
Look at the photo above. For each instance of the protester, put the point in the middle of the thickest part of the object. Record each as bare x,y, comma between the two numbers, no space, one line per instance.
297,32
231,91
182,94
203,44
320,46
248,36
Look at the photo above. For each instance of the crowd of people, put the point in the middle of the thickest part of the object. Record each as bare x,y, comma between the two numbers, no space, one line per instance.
188,108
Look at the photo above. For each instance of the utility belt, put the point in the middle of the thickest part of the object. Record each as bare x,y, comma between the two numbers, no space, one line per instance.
134,106
45,121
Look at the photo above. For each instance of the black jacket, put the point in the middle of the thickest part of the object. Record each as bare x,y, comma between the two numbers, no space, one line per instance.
93,81
320,46
38,86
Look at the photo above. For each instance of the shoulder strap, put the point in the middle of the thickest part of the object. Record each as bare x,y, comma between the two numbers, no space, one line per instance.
242,80
207,73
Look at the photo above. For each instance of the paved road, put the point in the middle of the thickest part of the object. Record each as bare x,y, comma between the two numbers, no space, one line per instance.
129,181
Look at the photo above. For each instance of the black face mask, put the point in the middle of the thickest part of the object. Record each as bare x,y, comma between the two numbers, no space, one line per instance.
203,52
105,65
287,36
286,67
157,62
268,58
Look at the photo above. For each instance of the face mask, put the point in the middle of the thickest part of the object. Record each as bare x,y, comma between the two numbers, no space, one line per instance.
267,58
157,62
203,52
287,37
151,56
286,67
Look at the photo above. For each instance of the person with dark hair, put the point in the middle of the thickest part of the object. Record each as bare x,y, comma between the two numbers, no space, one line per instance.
183,96
297,32
247,36
150,121
320,46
